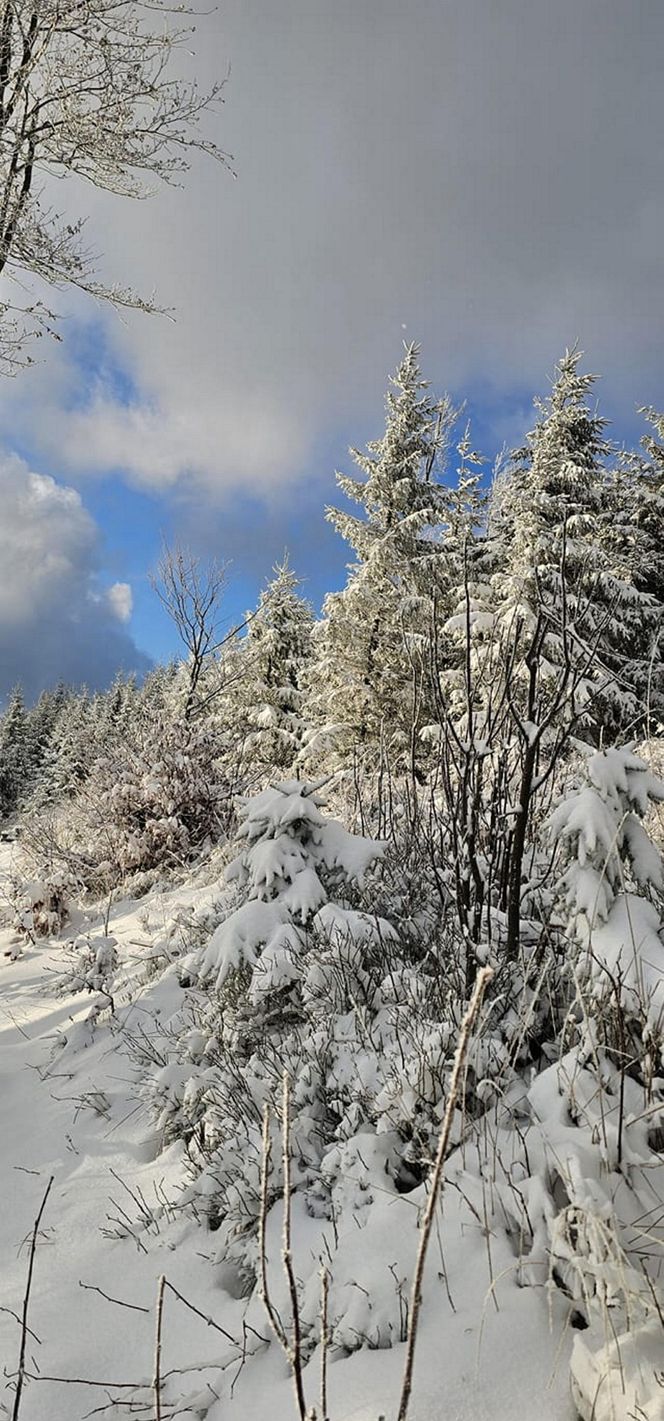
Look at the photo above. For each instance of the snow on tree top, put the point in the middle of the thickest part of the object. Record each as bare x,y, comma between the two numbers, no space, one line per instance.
291,859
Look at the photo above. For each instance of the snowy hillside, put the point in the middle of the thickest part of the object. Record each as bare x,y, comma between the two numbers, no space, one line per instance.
70,1110
524,1228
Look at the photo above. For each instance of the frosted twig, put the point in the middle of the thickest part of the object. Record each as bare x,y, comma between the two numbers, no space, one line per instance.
92,1288
209,1322
273,1316
26,1303
287,1257
156,1384
292,1350
324,1339
482,980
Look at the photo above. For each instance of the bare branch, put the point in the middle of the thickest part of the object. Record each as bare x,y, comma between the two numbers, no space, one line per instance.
483,978
190,592
92,91
20,1377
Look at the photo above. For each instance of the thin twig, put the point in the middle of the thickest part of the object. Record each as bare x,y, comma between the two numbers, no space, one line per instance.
203,1316
26,1303
274,1319
324,1338
287,1258
292,1349
11,1313
483,978
84,1381
156,1385
92,1288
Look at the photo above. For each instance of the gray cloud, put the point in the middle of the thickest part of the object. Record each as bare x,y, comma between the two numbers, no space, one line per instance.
489,175
56,622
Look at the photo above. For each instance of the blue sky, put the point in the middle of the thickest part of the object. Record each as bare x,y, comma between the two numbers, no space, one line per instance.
461,175
251,532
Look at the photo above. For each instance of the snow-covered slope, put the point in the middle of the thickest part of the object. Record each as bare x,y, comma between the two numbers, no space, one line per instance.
540,1288
485,1353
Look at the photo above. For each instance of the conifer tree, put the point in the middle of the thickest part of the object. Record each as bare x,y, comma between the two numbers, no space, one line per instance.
71,749
640,526
369,681
649,510
566,590
14,754
275,655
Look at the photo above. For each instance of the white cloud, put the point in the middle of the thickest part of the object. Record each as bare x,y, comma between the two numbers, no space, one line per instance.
242,434
464,170
121,600
46,540
54,624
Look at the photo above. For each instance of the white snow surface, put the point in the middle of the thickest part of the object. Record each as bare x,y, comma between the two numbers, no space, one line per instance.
488,1349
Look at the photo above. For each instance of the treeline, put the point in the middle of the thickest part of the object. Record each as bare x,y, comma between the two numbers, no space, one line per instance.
507,615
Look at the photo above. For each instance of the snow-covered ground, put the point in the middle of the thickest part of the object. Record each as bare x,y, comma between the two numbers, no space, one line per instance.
485,1353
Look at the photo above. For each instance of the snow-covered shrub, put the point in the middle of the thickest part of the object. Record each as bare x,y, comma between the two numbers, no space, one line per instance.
361,1010
580,1152
94,966
300,977
44,903
611,887
153,803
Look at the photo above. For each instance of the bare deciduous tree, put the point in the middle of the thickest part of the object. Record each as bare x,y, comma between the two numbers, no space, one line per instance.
87,87
191,592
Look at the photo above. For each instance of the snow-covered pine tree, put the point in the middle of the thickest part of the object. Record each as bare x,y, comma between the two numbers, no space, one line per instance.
299,978
613,877
295,866
368,685
466,545
15,758
41,720
565,591
72,749
117,709
25,734
650,512
159,690
640,526
470,559
273,657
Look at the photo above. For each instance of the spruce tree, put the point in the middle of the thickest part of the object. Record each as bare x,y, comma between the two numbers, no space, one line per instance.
275,654
368,686
565,590
642,524
72,748
649,510
15,763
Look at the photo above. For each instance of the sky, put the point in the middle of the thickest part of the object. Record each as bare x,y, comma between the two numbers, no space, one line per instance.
485,177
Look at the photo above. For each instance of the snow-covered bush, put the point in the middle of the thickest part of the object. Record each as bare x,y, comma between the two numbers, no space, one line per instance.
295,881
362,1014
593,1137
611,887
44,903
94,966
153,803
